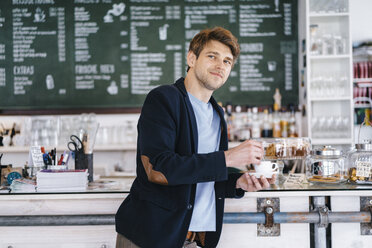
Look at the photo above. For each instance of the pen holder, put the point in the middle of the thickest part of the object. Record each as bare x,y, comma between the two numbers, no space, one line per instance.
84,161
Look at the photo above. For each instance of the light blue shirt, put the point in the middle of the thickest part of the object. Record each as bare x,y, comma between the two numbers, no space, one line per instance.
209,129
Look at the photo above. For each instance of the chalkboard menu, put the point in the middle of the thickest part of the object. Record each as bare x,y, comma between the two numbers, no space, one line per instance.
65,54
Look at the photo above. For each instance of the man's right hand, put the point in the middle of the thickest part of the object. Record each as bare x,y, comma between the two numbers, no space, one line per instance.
248,152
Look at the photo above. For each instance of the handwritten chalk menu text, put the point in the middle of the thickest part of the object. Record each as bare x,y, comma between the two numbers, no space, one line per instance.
66,54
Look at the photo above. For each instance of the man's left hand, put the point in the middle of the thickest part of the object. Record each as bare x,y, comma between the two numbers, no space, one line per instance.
252,184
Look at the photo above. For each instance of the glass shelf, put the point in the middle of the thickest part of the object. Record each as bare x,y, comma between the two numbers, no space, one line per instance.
330,14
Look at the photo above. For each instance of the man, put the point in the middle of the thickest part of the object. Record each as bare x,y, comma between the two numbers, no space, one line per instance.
182,157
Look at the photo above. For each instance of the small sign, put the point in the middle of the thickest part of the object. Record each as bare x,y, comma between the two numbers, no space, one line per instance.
35,157
363,168
295,179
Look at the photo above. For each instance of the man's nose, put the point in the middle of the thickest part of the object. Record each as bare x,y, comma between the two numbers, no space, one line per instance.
220,64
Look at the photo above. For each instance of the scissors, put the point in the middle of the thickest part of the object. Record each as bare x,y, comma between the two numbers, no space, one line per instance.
75,145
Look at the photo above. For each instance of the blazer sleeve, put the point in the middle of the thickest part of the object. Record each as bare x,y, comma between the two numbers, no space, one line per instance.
158,140
230,187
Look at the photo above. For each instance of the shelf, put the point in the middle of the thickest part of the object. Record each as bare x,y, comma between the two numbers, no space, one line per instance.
331,141
324,104
362,105
120,174
334,14
358,102
364,85
363,82
123,147
321,57
107,148
320,99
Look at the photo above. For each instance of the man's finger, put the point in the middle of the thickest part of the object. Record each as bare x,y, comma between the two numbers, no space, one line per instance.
272,179
249,179
264,182
256,161
256,183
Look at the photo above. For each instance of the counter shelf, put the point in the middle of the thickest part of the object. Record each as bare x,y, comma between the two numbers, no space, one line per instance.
271,158
113,186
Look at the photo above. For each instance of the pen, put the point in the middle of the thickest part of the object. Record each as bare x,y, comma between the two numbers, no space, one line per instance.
55,156
46,158
60,160
65,158
85,143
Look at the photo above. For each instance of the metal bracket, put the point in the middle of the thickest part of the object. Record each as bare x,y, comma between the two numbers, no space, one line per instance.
323,214
366,205
268,206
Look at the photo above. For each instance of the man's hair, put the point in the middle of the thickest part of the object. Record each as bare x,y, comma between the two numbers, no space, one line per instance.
218,34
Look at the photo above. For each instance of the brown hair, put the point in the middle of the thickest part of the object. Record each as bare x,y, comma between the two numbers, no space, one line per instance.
218,34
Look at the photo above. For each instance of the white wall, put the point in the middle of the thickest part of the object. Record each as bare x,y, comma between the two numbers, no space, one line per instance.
361,30
361,19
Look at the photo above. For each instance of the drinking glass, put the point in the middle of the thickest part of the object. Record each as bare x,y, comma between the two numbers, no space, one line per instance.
327,44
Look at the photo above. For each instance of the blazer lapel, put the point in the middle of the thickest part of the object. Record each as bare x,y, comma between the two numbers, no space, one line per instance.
223,143
190,111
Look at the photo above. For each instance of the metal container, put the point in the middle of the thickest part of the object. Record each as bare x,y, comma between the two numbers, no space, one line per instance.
326,165
360,163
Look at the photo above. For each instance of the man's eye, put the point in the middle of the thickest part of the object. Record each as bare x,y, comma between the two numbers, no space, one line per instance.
211,56
227,62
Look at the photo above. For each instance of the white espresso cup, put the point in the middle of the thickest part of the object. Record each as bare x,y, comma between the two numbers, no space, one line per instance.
266,169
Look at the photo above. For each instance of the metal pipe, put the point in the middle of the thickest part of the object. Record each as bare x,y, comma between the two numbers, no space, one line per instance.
320,234
298,217
236,218
229,218
57,220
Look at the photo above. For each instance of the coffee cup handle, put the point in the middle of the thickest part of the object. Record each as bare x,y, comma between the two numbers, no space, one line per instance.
275,167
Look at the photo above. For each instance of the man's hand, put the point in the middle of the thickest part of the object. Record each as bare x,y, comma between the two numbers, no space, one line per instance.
252,184
248,152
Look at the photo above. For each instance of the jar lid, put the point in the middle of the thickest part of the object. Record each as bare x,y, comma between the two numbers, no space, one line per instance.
364,146
326,151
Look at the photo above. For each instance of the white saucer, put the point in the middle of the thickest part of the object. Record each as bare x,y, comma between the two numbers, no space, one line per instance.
265,174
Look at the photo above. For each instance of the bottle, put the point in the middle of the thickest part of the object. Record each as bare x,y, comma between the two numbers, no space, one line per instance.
292,129
276,122
247,125
249,119
277,98
284,124
256,130
266,128
238,123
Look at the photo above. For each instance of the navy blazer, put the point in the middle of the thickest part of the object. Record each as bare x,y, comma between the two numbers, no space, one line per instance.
158,215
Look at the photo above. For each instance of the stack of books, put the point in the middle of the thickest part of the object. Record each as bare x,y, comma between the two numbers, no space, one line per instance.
61,180
23,185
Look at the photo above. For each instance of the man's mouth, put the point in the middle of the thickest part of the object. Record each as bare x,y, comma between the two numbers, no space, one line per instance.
217,74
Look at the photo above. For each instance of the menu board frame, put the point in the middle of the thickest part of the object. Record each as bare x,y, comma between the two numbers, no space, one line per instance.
105,55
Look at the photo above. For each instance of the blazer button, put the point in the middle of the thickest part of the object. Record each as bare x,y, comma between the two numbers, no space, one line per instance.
189,206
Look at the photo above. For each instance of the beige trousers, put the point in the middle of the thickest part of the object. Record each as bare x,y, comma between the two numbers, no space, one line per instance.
123,242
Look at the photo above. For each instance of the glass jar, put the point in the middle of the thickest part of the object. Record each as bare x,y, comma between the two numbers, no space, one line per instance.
326,165
360,163
285,148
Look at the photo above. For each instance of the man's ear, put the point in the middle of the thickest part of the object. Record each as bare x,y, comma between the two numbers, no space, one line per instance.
191,58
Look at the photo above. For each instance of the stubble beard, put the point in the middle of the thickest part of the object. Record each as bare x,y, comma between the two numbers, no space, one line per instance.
205,82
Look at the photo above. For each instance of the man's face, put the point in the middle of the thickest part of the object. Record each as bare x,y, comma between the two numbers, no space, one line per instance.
213,66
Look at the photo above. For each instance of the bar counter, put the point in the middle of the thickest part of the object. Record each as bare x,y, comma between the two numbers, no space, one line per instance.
313,215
